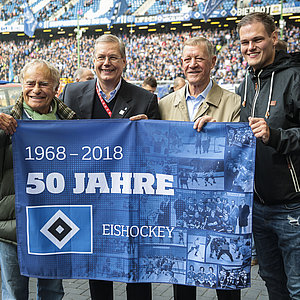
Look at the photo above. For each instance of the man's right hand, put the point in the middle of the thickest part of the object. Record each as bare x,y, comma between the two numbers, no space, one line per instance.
138,117
8,124
200,122
260,129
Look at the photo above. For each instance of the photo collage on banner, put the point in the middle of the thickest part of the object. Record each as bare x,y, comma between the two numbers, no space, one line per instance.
210,245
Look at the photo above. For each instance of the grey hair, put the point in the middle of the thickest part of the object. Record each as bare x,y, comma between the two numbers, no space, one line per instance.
109,38
54,72
197,41
80,71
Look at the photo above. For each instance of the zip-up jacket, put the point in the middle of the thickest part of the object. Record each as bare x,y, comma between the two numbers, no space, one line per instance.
273,93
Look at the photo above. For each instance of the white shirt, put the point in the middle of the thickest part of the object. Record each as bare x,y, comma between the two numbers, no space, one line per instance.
193,103
112,94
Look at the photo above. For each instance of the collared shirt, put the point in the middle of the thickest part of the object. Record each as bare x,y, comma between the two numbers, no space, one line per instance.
112,94
193,103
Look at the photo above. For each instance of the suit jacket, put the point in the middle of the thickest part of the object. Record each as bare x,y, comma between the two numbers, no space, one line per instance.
131,100
222,105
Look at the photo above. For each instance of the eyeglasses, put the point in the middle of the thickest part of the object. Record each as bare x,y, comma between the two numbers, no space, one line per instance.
112,59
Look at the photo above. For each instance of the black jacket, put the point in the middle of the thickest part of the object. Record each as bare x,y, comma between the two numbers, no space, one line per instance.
131,100
277,99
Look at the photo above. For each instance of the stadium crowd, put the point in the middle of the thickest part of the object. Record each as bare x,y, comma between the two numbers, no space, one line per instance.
156,54
9,10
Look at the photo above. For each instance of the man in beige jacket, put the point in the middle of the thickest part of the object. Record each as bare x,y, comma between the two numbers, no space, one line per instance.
201,100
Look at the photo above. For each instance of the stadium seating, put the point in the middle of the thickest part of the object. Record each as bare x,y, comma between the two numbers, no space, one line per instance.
12,12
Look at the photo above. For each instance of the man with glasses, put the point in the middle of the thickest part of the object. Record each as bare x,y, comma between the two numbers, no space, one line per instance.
110,96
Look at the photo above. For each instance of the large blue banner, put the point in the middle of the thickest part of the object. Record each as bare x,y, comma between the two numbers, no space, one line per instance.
145,201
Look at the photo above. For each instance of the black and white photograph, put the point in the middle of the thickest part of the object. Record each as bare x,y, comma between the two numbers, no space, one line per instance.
228,249
239,169
233,278
240,137
158,263
216,211
196,247
203,144
204,174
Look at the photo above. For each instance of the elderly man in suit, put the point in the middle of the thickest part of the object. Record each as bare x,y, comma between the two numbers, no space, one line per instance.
201,100
110,96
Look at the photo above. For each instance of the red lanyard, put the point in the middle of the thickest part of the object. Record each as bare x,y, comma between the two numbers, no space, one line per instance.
103,102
